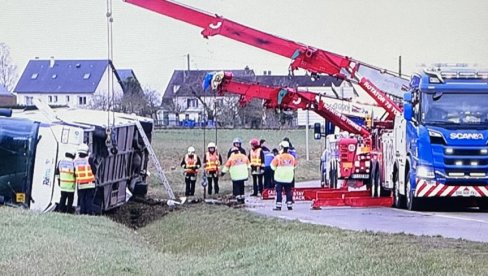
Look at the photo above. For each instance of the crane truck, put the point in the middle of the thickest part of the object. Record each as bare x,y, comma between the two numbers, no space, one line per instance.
413,156
32,142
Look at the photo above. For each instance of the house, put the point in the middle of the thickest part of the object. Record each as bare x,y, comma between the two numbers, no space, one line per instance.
75,83
184,96
6,98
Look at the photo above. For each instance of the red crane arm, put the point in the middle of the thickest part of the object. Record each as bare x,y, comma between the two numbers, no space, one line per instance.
372,79
276,97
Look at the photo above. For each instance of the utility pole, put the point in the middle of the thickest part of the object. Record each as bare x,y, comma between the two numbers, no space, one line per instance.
399,66
188,64
306,136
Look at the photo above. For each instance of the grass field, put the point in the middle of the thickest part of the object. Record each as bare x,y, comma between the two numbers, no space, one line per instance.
171,145
212,240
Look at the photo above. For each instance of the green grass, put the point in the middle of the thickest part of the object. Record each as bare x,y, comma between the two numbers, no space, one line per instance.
171,145
212,240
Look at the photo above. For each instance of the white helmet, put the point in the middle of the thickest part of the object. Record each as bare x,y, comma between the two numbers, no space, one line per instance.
211,145
284,144
191,150
83,148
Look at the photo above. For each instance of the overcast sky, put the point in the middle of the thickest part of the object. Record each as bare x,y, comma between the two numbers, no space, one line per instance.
375,31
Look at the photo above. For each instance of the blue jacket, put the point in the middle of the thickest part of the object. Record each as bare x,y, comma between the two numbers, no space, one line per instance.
268,157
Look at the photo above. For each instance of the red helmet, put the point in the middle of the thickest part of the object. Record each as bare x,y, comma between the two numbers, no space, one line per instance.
254,142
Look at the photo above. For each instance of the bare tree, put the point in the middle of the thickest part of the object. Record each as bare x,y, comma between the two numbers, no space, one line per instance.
208,110
8,70
104,102
252,114
153,102
228,112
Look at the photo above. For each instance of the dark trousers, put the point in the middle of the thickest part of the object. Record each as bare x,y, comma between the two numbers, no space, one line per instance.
257,183
190,180
268,178
279,191
238,187
213,177
85,199
66,196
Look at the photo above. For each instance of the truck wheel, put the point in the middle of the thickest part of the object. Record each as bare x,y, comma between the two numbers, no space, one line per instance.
413,203
483,204
399,201
380,190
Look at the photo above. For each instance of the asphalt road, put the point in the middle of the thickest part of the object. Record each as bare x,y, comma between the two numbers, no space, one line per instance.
470,224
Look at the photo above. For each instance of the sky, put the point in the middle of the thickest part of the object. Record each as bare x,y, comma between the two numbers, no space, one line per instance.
375,32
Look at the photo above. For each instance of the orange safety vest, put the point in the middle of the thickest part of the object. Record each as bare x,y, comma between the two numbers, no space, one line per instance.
284,166
191,164
237,166
84,175
256,158
212,162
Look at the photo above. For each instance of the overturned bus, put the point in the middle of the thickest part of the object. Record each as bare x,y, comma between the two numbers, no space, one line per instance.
31,145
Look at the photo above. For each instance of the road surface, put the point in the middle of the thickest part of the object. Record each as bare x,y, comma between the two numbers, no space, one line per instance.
470,224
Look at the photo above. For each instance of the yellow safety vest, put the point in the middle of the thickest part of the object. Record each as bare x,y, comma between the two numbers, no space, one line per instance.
256,157
67,176
212,162
237,166
284,166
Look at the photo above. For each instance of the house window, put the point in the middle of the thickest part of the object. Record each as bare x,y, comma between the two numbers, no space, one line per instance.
86,76
50,99
67,99
28,100
55,99
191,103
34,76
81,100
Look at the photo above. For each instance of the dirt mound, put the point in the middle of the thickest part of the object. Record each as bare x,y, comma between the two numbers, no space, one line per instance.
139,212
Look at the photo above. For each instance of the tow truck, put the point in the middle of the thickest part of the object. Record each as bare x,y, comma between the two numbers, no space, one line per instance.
350,165
413,156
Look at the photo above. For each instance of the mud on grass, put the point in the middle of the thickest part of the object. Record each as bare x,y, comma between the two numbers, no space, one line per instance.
139,212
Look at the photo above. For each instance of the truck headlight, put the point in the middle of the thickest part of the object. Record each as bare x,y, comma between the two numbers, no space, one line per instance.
425,172
433,133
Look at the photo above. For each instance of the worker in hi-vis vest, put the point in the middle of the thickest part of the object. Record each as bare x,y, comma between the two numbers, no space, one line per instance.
256,157
211,163
190,163
237,165
66,181
283,166
85,179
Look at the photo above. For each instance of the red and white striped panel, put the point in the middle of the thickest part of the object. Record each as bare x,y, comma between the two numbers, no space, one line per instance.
427,188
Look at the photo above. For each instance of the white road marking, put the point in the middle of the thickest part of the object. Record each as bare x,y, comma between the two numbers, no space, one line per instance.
441,216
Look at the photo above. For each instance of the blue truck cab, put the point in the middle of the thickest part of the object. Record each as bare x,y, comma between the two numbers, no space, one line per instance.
445,128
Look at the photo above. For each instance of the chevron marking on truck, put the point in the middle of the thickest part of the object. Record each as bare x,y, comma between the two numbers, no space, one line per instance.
426,189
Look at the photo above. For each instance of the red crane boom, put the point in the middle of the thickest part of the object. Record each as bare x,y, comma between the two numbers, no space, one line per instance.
375,81
277,97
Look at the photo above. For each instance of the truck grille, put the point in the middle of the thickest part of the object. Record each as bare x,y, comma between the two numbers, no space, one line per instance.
461,165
